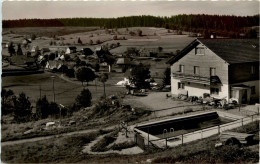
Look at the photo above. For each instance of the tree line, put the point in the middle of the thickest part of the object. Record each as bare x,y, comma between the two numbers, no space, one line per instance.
22,110
187,22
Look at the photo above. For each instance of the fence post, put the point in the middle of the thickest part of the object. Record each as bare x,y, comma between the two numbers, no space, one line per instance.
218,129
182,139
201,134
242,121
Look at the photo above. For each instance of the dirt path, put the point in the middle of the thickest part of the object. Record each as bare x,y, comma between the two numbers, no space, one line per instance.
132,150
49,137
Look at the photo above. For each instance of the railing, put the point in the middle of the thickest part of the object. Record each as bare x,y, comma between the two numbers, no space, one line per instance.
184,76
200,134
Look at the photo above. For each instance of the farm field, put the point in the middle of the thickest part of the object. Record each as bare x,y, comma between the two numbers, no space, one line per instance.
169,41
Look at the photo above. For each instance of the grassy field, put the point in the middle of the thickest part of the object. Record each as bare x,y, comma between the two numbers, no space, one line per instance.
68,149
65,92
152,37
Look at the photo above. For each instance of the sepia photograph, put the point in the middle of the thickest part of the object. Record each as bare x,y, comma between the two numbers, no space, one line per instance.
130,81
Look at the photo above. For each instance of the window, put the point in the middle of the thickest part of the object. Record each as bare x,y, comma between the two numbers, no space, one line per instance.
200,51
252,69
181,68
180,85
212,71
253,90
196,70
214,91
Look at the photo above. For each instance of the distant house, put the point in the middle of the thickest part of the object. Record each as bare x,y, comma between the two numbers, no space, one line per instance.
71,50
223,68
70,64
50,65
26,41
144,53
7,45
122,64
34,49
104,67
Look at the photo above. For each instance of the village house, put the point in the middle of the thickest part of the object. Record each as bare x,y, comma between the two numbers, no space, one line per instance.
50,65
122,64
35,48
223,68
71,50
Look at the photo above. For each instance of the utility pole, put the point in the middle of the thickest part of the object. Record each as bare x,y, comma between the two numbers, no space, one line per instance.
40,92
53,77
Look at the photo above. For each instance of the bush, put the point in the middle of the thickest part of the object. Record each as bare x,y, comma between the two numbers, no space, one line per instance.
101,107
33,36
42,108
101,146
188,110
70,73
84,99
23,108
98,42
123,145
54,109
132,33
7,106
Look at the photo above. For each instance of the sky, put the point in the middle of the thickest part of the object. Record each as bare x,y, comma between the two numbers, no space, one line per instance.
106,9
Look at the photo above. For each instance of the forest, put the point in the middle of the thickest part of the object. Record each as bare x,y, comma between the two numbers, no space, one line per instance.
224,25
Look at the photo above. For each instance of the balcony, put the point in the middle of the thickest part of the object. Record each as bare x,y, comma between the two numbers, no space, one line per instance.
196,78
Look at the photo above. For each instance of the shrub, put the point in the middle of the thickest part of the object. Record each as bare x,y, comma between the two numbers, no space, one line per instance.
54,109
7,106
101,146
132,33
84,99
188,110
140,32
23,108
70,73
98,42
123,145
42,108
33,36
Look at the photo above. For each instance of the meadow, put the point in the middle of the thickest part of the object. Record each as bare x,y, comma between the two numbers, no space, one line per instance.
37,85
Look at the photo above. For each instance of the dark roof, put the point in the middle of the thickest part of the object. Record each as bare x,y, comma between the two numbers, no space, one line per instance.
72,48
231,50
87,51
123,61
